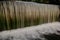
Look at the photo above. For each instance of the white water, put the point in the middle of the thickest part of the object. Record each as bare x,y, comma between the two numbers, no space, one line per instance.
31,33
18,14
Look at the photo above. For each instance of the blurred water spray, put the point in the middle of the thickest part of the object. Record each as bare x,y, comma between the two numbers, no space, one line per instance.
16,14
49,31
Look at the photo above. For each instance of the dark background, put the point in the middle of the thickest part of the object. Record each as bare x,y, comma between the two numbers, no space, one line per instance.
56,2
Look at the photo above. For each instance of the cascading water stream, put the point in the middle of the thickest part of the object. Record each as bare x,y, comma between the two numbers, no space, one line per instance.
18,14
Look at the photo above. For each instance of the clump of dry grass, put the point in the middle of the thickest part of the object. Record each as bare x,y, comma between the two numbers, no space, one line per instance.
18,14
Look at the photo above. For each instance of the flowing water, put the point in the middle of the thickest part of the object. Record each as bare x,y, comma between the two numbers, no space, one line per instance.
48,31
18,14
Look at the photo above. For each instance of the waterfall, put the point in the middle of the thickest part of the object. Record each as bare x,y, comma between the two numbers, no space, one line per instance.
18,14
